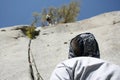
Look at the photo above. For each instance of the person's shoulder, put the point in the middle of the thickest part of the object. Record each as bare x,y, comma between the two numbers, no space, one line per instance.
85,61
92,67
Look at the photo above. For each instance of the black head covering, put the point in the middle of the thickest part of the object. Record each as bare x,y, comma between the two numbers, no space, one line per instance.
84,44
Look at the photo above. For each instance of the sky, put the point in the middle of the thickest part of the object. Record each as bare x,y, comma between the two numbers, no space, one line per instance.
19,12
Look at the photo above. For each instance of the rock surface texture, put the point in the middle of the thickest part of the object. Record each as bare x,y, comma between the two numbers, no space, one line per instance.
52,45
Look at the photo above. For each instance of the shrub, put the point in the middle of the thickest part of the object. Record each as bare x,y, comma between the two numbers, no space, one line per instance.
30,31
64,14
69,12
43,17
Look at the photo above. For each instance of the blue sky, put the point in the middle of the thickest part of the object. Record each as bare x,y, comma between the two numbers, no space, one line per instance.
19,12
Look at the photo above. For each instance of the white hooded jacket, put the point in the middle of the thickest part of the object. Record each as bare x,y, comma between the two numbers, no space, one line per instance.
86,68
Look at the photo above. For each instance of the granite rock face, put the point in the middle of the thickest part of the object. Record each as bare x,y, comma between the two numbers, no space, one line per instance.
52,45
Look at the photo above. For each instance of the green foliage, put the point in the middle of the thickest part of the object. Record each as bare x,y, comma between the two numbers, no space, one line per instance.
64,14
30,31
69,12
